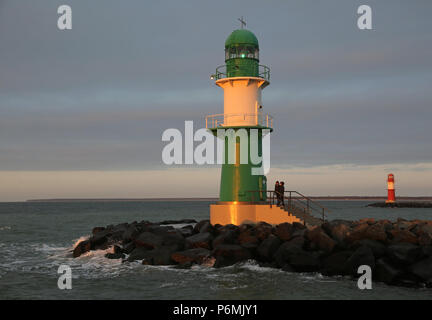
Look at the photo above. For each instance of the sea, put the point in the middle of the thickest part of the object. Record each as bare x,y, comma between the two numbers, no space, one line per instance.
37,237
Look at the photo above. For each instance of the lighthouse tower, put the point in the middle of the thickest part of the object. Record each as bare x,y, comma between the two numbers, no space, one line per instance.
243,192
391,198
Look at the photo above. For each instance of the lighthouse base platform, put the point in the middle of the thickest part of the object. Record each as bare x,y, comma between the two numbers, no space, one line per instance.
238,213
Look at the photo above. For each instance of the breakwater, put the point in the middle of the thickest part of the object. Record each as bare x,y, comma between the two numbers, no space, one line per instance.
398,252
403,204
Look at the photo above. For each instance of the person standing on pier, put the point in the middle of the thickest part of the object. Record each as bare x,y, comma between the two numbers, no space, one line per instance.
276,192
281,193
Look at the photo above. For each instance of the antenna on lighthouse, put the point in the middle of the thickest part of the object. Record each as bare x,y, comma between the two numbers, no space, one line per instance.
242,22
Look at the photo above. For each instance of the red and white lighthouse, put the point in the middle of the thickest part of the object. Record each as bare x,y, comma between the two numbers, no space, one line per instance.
391,198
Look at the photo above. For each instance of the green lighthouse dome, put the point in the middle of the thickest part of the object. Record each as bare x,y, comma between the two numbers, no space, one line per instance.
242,57
241,37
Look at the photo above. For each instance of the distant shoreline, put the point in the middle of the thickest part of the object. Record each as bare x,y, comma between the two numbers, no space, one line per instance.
322,198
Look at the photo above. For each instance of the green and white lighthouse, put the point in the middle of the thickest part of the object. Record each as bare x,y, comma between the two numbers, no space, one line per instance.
242,192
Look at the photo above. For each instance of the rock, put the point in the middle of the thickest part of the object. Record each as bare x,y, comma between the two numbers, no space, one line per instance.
385,272
81,248
425,239
334,264
403,253
100,240
197,255
226,237
117,249
300,260
247,238
284,231
159,256
357,233
127,248
114,255
304,261
186,231
362,256
263,230
423,269
406,236
199,240
149,240
376,232
97,229
336,230
116,232
268,247
130,234
229,254
200,225
138,253
173,239
378,249
320,240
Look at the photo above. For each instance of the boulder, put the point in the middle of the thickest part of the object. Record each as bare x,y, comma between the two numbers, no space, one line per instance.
158,256
304,261
173,239
263,230
385,272
284,231
296,257
138,253
130,234
186,231
320,240
424,239
149,240
375,232
127,248
423,269
225,237
334,264
199,240
228,254
114,255
337,231
403,253
402,235
247,238
362,256
357,233
378,249
203,224
268,247
197,255
81,248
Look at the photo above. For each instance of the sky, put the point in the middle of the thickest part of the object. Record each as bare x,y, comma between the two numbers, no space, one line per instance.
82,111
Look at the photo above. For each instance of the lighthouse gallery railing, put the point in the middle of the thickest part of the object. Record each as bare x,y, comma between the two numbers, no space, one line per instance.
263,72
239,119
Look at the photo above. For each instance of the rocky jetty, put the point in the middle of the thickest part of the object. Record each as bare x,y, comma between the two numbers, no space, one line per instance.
399,253
403,204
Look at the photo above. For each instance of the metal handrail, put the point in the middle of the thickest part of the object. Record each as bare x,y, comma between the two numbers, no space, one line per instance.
220,120
263,72
301,201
